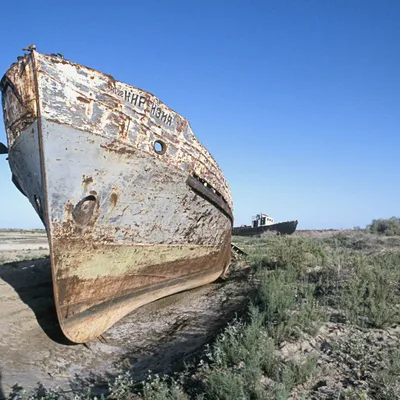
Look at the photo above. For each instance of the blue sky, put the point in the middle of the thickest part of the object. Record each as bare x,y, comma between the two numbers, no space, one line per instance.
297,100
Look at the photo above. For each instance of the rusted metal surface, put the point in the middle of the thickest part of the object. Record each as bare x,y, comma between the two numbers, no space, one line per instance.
134,206
237,252
19,98
210,194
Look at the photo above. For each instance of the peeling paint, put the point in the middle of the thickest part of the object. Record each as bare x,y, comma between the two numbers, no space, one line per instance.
134,206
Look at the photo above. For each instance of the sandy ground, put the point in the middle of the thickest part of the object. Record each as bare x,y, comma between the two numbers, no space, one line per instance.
157,337
20,245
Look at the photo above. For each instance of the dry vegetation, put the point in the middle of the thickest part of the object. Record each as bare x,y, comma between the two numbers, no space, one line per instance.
322,322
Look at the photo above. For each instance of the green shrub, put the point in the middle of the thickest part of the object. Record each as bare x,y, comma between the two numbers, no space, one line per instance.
285,252
388,227
240,357
225,384
294,373
163,388
354,241
371,297
387,380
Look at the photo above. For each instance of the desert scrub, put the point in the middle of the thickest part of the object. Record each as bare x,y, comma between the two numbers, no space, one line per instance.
362,288
243,363
293,374
163,388
388,227
297,284
239,359
387,379
287,304
284,252
356,240
371,297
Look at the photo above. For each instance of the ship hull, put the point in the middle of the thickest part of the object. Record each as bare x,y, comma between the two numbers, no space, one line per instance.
126,224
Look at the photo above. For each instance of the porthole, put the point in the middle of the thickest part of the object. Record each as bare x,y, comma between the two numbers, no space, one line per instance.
84,210
159,147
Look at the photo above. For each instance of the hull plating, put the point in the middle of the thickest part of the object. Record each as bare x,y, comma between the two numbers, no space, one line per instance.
124,226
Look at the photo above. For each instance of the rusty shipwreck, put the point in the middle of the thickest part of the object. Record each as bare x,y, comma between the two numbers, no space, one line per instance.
135,208
262,223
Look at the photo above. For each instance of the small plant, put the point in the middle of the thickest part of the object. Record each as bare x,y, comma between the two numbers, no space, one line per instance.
122,387
156,388
387,380
292,374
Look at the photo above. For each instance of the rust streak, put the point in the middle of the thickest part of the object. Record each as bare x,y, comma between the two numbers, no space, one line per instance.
83,99
125,223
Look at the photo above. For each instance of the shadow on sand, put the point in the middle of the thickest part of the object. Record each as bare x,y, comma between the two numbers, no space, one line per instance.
2,397
31,279
162,336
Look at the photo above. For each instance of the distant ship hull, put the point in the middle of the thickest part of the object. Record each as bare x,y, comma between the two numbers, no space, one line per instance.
284,228
134,206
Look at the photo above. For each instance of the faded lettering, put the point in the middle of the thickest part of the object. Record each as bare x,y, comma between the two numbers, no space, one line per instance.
118,92
163,116
133,97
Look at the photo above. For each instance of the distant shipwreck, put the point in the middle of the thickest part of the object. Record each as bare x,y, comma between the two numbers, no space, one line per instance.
262,223
134,206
